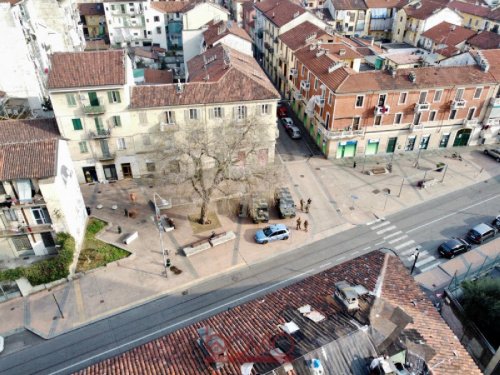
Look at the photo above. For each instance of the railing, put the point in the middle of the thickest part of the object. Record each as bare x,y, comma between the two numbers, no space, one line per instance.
94,109
106,156
457,104
338,134
422,107
26,229
495,102
166,126
36,201
416,127
103,133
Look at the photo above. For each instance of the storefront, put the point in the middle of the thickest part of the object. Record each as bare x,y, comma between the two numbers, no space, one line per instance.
346,149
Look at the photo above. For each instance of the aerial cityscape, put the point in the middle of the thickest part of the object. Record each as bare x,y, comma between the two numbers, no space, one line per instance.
245,187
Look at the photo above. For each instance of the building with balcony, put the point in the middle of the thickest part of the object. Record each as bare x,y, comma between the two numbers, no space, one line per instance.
228,33
446,39
39,191
381,17
370,112
350,17
93,20
126,23
31,30
478,17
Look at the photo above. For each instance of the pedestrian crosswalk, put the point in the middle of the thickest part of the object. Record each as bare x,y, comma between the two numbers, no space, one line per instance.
404,246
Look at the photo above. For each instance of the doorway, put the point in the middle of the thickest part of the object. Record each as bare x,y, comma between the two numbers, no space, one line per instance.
424,142
94,101
126,170
410,143
462,138
110,172
444,140
90,174
372,147
48,240
346,149
391,145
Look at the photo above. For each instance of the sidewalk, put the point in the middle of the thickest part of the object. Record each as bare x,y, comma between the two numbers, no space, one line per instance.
341,198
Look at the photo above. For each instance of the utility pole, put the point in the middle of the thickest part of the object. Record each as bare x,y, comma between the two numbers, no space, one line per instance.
159,226
416,254
401,188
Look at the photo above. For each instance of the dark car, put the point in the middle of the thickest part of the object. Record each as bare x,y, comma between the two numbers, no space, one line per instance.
282,111
480,233
453,247
496,223
494,153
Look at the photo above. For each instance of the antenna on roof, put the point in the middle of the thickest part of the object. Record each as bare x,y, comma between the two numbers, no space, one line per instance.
179,88
334,66
412,77
295,15
227,58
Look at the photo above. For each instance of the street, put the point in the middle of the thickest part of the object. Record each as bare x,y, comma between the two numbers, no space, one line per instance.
426,224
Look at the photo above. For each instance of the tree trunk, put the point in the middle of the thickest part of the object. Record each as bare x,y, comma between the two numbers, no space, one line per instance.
204,212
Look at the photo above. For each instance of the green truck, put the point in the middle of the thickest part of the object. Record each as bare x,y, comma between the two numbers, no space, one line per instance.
284,202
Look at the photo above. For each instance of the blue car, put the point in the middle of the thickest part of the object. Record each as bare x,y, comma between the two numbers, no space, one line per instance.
272,233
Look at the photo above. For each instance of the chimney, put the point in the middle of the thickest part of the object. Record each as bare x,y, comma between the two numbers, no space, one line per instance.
342,52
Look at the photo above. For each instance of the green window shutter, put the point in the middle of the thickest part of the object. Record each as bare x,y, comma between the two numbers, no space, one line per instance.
70,99
117,95
110,97
118,121
77,124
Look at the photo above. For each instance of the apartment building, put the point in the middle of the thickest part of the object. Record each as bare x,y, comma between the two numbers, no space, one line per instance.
112,125
93,20
126,23
418,16
350,17
31,30
371,112
39,191
478,17
228,33
446,39
381,15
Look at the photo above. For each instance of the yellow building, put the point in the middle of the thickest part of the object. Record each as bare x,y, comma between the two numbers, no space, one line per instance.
478,17
93,20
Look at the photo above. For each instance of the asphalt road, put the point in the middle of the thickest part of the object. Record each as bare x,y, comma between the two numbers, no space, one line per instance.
426,224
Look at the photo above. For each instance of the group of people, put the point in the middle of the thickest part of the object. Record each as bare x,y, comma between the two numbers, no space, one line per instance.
306,210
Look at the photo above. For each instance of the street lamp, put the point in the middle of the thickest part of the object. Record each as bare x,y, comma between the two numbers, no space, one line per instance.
160,234
415,254
418,156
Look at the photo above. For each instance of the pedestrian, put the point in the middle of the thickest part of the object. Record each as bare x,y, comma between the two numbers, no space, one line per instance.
301,204
307,205
126,212
309,201
120,229
354,165
298,224
306,225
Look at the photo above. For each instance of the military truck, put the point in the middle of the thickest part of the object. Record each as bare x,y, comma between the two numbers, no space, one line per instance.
284,202
259,209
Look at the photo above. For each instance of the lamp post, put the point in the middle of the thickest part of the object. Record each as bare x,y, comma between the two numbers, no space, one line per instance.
158,225
415,254
418,156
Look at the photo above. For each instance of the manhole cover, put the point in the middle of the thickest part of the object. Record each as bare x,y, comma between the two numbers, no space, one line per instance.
318,169
338,211
301,175
351,208
296,185
376,191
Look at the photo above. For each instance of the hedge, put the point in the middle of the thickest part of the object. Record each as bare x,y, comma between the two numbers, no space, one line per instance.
48,270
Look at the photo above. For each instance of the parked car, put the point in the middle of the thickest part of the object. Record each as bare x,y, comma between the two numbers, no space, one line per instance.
494,153
286,122
480,233
272,233
282,111
455,246
294,132
496,223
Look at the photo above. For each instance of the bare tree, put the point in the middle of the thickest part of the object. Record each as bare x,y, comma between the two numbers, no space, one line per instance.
217,159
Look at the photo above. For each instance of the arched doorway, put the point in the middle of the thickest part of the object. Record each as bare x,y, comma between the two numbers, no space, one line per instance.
462,137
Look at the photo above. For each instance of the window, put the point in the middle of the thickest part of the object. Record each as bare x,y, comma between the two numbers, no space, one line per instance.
170,117
316,83
303,70
402,98
398,118
146,140
83,147
158,30
241,112
156,18
218,112
432,115
143,118
453,114
359,101
114,96
10,214
417,118
150,166
355,122
459,94
437,95
478,92
330,97
77,124
113,7
2,189
121,144
381,100
193,114
264,109
378,120
116,121
471,113
423,97
149,32
70,99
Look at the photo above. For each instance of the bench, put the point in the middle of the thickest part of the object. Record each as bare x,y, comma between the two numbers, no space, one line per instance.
166,223
196,247
423,184
221,238
377,170
130,237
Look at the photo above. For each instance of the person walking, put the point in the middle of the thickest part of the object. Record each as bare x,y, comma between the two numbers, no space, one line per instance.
354,165
307,205
299,222
306,225
301,204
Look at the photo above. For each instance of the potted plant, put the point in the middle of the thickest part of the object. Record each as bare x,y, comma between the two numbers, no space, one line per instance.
440,166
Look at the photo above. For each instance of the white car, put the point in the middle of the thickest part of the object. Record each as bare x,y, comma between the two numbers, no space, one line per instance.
287,122
1,344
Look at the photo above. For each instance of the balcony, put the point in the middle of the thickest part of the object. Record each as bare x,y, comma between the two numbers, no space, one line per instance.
495,102
36,201
26,229
168,127
294,73
471,124
305,85
381,110
297,95
103,156
100,134
94,109
458,104
416,127
422,107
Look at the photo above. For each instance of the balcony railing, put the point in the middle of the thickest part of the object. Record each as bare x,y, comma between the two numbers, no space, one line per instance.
103,133
339,134
94,109
416,127
26,229
106,156
457,104
168,127
471,124
36,201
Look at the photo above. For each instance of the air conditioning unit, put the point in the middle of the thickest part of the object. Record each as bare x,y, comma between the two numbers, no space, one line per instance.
422,107
458,104
382,110
294,72
320,102
305,85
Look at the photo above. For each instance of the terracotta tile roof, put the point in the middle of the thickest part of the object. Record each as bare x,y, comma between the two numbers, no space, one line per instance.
171,6
214,82
279,12
296,38
154,76
91,9
446,33
96,45
28,148
477,10
83,69
424,8
379,4
250,330
485,40
447,51
218,30
11,2
340,51
349,4
427,77
493,57
142,52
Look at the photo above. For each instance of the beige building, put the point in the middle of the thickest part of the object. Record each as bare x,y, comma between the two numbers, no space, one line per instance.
112,125
39,191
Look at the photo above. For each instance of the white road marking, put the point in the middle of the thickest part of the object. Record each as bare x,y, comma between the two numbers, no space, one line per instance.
366,248
398,239
405,244
381,225
425,261
341,258
392,235
325,264
434,264
386,229
379,243
454,213
410,251
355,252
373,222
191,318
420,255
